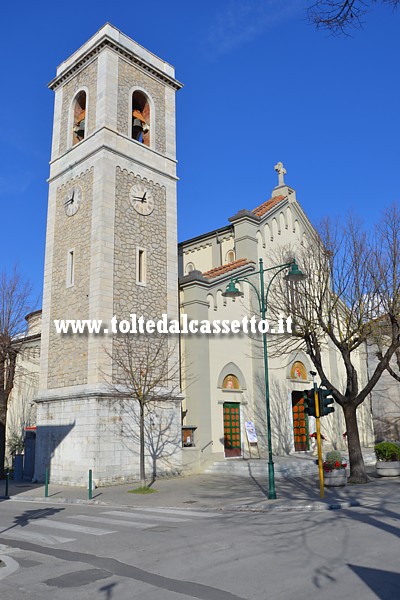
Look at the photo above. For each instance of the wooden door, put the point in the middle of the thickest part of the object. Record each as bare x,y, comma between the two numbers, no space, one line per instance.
232,441
300,423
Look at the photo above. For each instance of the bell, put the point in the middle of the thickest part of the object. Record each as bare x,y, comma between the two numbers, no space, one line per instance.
137,130
80,129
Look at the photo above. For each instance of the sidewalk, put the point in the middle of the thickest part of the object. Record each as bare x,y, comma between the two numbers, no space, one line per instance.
220,492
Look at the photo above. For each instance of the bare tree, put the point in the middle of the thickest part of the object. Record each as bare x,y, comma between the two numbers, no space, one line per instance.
353,278
15,294
340,16
146,381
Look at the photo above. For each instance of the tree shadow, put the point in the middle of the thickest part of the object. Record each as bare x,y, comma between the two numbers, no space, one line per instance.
108,590
384,584
31,515
160,435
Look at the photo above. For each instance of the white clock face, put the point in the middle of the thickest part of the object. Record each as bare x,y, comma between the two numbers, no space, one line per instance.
73,200
142,199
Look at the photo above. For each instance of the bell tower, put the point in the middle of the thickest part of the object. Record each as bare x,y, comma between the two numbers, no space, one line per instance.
111,244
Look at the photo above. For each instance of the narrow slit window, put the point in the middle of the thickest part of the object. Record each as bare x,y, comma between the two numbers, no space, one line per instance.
141,266
70,268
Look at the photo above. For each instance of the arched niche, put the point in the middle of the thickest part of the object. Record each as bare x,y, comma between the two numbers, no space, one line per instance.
297,229
275,227
230,256
282,222
220,300
298,367
289,219
260,239
231,369
211,302
268,233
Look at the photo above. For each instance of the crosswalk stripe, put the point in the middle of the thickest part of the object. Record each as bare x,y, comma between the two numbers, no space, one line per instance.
32,536
176,511
133,516
70,527
111,521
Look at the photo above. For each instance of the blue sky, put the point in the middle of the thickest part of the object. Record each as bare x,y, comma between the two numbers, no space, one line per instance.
261,85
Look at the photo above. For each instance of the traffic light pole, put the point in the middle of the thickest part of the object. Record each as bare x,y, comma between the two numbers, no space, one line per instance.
319,445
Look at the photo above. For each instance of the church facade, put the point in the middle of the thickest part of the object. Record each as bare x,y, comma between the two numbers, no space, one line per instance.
225,391
111,249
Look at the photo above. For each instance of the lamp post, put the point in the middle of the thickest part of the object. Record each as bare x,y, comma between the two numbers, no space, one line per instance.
294,274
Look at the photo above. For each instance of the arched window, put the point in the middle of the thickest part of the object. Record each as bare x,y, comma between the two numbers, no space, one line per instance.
140,118
189,268
79,127
230,256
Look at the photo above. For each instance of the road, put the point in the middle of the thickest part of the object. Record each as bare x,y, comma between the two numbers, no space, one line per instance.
65,551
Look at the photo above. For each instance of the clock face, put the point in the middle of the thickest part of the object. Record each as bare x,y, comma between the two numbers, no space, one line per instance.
73,200
142,199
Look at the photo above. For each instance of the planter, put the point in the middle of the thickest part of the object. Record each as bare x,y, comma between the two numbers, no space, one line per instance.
335,478
388,468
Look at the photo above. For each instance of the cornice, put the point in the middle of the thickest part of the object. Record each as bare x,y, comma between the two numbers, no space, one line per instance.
107,42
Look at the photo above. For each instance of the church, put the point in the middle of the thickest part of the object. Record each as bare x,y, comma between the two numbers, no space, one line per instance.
111,249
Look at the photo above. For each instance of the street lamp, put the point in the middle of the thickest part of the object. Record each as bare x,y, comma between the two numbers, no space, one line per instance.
294,274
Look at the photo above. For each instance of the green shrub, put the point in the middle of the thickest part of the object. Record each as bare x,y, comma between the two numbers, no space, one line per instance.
387,451
333,457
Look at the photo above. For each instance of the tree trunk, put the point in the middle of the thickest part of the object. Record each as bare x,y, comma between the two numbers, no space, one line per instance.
142,457
2,449
357,467
3,421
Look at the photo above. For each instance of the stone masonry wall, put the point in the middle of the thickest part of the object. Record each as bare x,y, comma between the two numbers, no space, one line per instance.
86,78
129,76
148,232
67,359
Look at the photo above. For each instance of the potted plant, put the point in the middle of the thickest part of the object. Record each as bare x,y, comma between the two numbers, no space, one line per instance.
334,469
388,459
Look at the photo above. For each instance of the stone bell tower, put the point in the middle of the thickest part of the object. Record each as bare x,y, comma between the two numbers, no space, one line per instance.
111,245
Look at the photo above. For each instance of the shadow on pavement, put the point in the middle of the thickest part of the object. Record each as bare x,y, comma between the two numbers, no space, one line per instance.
27,516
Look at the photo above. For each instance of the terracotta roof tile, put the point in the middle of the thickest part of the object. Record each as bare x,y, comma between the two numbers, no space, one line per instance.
241,262
266,206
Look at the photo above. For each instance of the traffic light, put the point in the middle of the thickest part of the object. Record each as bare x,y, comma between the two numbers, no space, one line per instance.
309,402
325,399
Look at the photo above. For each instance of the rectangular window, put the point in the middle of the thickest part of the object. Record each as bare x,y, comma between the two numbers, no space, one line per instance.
70,268
141,266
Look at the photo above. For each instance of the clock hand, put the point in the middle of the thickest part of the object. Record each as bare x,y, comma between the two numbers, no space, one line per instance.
70,200
144,198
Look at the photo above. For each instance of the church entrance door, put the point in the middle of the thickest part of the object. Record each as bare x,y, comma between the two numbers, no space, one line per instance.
232,441
300,423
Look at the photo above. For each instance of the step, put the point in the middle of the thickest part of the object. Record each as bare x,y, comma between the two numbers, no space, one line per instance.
284,466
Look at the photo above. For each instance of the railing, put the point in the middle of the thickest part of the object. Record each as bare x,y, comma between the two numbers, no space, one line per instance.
210,443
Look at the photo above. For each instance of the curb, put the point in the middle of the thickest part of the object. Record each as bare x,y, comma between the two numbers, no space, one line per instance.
295,508
263,508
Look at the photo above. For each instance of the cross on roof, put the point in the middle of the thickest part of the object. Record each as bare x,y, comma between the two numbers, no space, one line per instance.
280,169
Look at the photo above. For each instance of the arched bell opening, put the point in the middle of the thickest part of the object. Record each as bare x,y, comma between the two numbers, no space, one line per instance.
79,128
140,118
